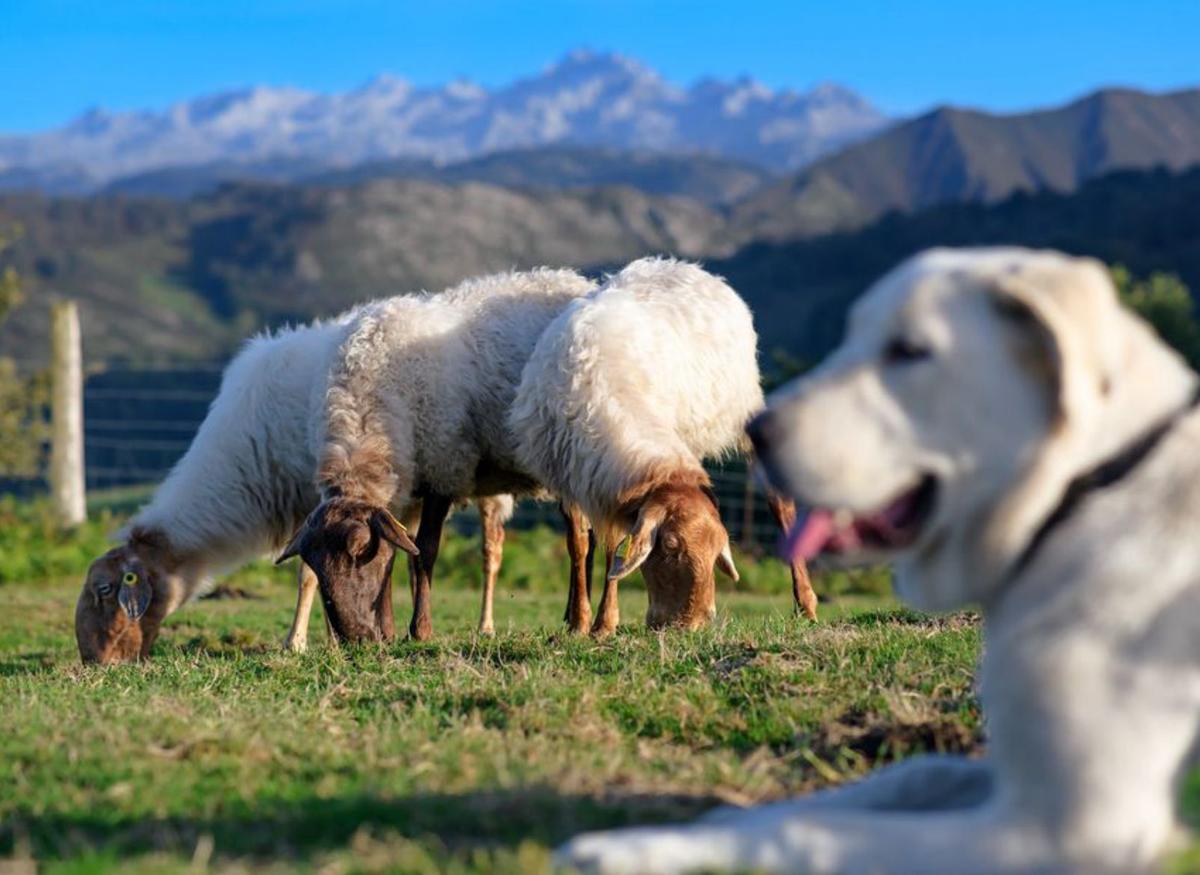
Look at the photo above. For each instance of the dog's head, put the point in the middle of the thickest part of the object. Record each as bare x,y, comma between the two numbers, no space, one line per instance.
351,546
971,387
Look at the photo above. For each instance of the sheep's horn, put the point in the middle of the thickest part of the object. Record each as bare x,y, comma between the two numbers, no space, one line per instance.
725,562
295,546
393,531
641,541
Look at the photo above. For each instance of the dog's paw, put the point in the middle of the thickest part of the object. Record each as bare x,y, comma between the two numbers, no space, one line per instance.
594,854
629,852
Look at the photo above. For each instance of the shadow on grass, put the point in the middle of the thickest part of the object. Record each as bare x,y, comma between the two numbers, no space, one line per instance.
42,662
227,645
903,616
297,829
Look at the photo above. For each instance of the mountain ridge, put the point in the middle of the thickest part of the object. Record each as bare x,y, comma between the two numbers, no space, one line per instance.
585,98
706,178
955,154
161,281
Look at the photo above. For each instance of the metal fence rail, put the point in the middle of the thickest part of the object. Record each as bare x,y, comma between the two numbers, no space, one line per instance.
138,422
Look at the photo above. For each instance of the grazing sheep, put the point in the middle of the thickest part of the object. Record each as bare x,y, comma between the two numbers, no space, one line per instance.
626,392
241,489
416,409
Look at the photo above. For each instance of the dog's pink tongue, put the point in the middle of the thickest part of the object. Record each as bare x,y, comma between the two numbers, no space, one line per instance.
809,535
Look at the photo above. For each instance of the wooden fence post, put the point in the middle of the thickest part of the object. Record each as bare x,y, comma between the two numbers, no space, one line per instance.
66,410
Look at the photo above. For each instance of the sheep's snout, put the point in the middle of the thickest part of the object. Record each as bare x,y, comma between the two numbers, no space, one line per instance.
120,607
351,547
678,541
682,592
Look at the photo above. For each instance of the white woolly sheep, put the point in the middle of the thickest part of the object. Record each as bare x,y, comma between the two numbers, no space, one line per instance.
624,395
245,483
416,408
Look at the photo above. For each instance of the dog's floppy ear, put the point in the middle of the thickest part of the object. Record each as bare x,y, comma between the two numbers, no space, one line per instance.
1068,308
641,541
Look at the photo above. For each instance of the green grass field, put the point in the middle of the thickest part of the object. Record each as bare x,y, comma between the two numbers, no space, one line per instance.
464,755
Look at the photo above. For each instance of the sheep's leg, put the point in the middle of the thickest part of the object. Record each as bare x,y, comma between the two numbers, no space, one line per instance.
413,573
306,590
412,522
579,603
609,614
434,510
329,633
803,597
590,560
384,612
493,552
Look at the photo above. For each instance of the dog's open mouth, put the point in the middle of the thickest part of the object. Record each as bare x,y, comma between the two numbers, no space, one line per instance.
893,527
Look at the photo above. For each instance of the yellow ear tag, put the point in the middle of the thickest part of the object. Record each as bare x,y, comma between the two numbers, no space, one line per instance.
130,579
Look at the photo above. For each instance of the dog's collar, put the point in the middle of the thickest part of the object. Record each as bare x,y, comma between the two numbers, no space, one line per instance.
1102,476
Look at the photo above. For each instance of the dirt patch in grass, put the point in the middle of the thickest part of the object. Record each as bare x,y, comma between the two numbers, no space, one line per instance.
734,662
225,644
907,618
225,591
874,739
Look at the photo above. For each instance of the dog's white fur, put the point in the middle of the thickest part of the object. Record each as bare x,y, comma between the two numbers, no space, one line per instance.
1091,669
653,372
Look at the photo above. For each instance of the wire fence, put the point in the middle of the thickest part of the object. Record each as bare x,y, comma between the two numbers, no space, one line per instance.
138,422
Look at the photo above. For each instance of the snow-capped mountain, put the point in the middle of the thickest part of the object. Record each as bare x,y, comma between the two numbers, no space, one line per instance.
593,99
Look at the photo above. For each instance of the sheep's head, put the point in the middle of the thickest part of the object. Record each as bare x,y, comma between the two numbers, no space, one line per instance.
350,546
126,594
677,540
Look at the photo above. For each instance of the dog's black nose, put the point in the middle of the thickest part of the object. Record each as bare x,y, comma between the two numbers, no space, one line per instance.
760,430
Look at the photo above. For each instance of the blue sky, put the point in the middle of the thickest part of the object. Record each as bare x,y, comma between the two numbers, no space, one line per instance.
58,57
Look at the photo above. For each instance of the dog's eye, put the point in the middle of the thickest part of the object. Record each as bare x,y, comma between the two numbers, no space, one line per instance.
104,589
900,351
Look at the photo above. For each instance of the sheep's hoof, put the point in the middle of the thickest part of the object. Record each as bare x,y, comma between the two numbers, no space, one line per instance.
420,631
580,626
487,631
295,645
599,633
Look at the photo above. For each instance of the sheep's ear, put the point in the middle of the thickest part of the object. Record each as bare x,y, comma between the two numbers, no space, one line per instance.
725,562
392,531
296,546
641,542
358,538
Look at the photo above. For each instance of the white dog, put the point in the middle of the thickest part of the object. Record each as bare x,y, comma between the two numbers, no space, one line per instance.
1002,430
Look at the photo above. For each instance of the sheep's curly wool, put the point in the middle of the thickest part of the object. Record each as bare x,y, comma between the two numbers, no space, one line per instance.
636,383
419,392
246,481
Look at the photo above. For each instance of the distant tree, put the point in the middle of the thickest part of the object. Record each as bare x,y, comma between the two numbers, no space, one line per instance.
1164,301
10,287
23,398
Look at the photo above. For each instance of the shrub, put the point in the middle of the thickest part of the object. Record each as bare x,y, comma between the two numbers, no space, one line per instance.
34,548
